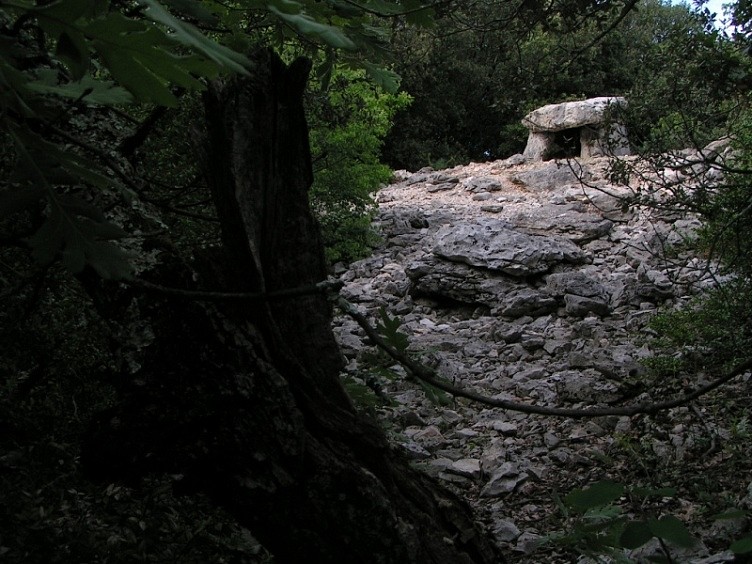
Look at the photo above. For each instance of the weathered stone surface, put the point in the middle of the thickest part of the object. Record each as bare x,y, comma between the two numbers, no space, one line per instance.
575,282
484,184
566,220
526,301
491,244
441,187
588,128
504,480
556,332
509,297
546,177
506,531
468,467
570,115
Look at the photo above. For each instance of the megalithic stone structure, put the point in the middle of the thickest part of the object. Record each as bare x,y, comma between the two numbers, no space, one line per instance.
588,128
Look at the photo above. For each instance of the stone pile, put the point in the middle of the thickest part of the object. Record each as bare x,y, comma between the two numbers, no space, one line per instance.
516,280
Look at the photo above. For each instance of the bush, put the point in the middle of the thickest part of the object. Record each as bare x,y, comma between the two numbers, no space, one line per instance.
348,122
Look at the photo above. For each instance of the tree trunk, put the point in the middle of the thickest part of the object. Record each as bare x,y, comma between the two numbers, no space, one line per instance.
245,401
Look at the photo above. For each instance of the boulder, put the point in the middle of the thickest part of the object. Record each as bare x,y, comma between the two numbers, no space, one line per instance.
581,306
490,243
577,283
548,176
461,283
566,220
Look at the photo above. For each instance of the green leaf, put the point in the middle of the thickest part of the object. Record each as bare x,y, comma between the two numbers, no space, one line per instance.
389,328
742,546
383,7
189,36
673,530
309,27
109,261
61,167
424,18
13,91
602,513
598,494
653,492
74,229
324,71
194,9
386,79
104,93
74,52
346,10
76,206
62,20
731,514
129,53
137,56
67,11
78,243
18,199
635,534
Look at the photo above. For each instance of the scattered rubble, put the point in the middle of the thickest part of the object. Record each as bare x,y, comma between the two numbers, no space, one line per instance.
538,291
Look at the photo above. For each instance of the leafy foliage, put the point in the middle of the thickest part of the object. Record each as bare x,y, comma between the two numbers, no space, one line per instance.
599,526
348,122
99,179
485,67
714,330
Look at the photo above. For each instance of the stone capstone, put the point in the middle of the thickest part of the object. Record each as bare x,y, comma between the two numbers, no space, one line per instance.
569,115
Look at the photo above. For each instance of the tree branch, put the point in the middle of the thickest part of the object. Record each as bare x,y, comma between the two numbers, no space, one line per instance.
325,286
109,161
431,377
628,7
407,12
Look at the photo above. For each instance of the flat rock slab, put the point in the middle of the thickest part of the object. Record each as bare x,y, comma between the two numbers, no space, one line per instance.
549,176
566,220
558,117
459,282
490,243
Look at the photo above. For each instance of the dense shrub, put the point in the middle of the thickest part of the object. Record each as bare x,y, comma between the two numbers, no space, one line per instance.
348,122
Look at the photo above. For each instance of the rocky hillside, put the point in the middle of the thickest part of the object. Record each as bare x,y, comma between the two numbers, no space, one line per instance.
518,281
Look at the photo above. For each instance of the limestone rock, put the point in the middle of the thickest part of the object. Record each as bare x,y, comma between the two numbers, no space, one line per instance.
577,283
580,306
545,302
546,177
587,128
490,243
461,283
569,115
506,531
504,480
566,220
484,184
468,467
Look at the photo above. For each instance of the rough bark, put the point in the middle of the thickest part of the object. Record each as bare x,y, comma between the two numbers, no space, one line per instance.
245,401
